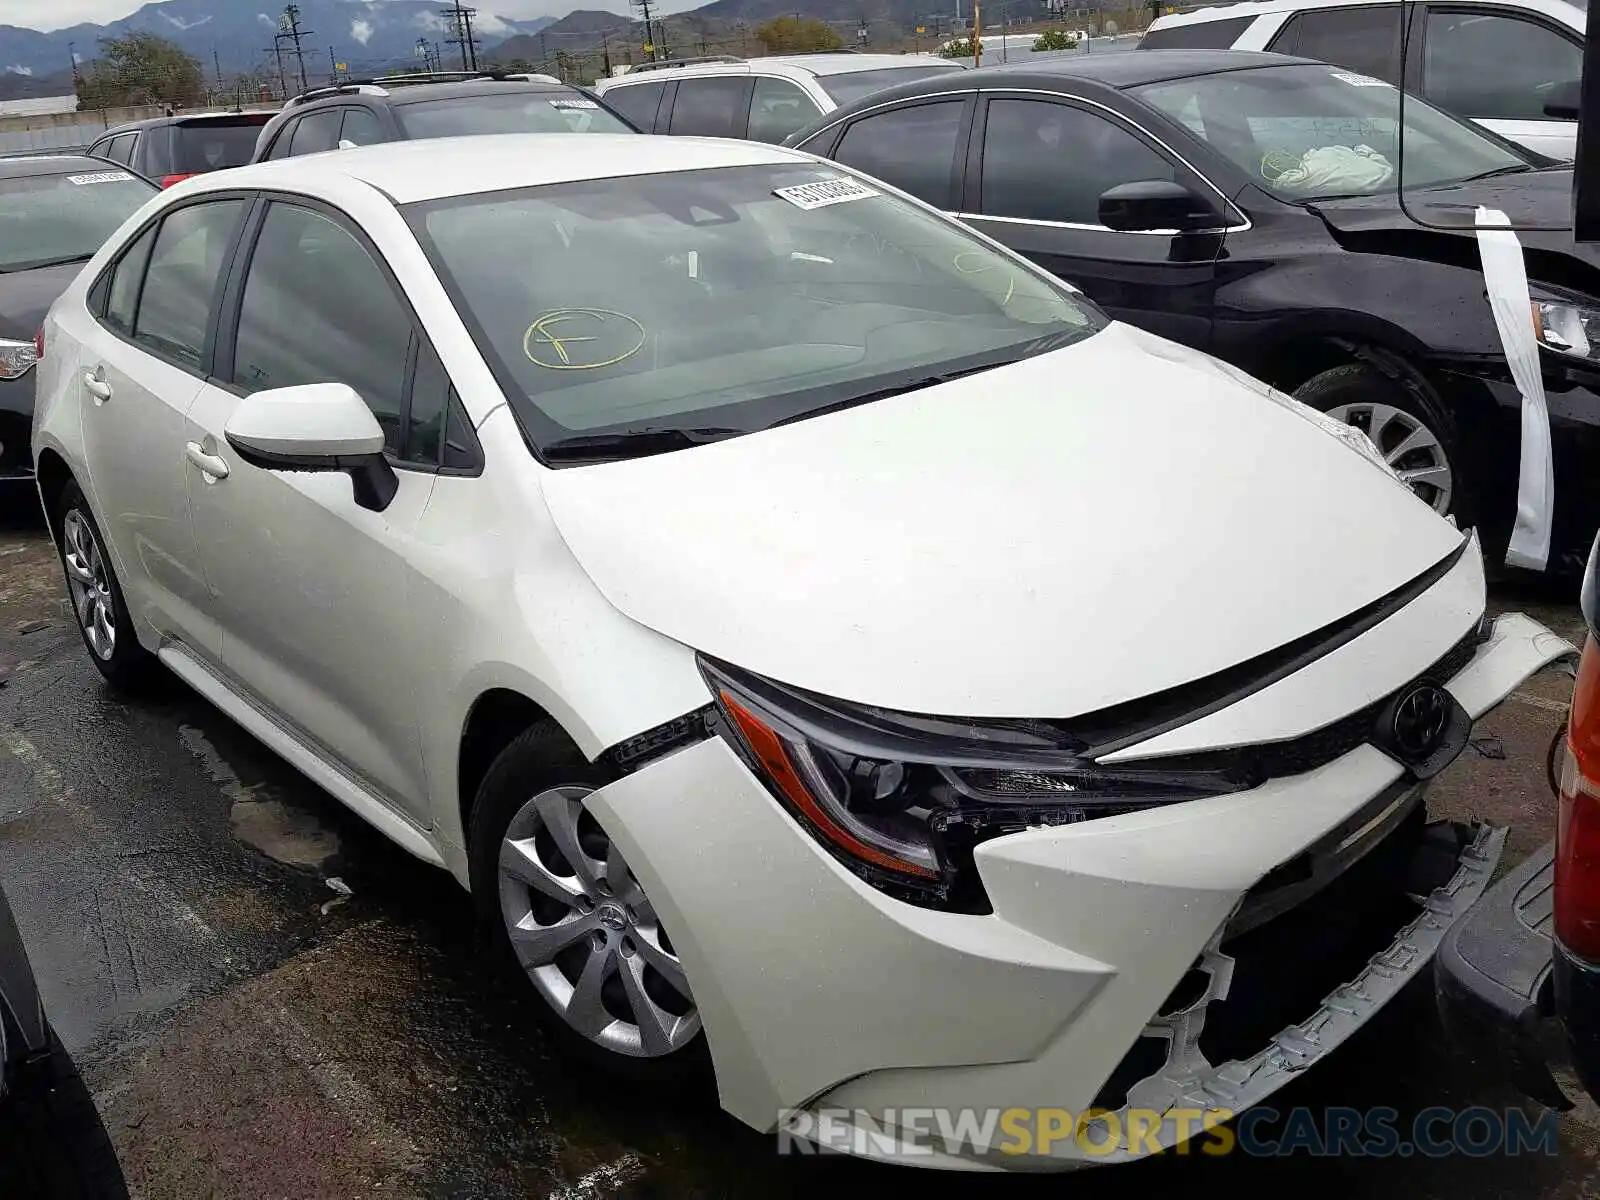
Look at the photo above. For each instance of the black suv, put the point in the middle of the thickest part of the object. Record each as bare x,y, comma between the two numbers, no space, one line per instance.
442,104
170,149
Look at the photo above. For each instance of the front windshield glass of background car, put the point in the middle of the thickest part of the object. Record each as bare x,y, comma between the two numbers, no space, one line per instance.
64,217
1315,132
734,297
506,112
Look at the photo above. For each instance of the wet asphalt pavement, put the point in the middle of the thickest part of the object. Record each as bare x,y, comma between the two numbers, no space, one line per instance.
267,999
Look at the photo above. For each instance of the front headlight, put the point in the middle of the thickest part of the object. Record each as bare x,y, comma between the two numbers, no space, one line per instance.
16,359
903,799
1567,328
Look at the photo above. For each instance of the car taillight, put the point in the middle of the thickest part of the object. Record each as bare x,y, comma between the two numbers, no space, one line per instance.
1577,887
168,180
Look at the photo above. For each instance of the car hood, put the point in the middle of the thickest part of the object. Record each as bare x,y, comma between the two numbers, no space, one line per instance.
1377,224
1089,526
25,297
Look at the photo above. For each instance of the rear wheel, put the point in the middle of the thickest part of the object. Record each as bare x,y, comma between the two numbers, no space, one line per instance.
569,920
96,595
1414,434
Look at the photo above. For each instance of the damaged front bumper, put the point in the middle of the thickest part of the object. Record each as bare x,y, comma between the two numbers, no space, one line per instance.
1107,939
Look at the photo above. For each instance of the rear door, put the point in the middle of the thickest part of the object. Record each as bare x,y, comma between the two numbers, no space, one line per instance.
1499,67
1036,170
917,146
143,358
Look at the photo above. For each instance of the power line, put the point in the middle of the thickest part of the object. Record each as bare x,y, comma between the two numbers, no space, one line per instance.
289,27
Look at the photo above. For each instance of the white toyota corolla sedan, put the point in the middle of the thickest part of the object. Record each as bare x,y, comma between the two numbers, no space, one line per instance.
829,649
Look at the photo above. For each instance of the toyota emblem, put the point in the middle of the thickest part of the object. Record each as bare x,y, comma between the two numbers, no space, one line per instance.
1420,719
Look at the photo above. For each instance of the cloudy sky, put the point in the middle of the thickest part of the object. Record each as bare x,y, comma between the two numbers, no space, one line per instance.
57,14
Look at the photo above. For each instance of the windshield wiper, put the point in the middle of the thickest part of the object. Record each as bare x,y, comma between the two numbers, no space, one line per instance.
40,264
1514,169
633,443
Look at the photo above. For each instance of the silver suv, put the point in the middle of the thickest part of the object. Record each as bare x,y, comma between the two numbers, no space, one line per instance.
763,99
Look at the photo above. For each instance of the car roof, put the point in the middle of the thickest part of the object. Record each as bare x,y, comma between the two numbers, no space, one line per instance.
1107,70
1570,14
411,93
434,168
185,119
54,164
829,63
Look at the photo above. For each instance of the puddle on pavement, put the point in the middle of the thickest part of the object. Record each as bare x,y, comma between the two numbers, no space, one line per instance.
260,819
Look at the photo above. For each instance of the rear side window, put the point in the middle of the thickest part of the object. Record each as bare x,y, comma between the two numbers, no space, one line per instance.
1363,39
318,309
213,145
126,277
913,148
360,128
1199,35
710,107
777,109
181,282
120,148
316,132
638,102
282,140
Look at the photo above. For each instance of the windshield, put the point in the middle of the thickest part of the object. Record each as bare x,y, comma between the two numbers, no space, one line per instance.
507,112
213,145
1314,132
852,85
735,297
64,217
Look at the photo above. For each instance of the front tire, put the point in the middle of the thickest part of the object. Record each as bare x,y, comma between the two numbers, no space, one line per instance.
1415,435
570,925
96,595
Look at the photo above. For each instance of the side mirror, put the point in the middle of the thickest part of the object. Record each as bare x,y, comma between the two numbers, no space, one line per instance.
1152,205
315,427
1561,100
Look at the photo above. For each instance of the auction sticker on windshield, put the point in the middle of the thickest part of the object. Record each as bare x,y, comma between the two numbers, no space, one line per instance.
824,193
570,102
1359,80
99,177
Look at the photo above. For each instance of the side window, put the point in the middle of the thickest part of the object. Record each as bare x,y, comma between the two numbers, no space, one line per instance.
316,132
1050,162
181,283
126,276
1197,35
120,148
913,148
282,141
317,309
360,128
710,107
1481,64
777,109
1362,39
637,102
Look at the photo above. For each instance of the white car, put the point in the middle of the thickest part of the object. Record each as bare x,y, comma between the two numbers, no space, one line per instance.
1499,62
763,99
824,644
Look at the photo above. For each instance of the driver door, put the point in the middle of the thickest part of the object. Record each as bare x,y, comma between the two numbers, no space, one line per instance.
310,587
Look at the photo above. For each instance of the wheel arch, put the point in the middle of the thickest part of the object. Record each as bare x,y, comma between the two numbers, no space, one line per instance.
52,475
1319,342
496,717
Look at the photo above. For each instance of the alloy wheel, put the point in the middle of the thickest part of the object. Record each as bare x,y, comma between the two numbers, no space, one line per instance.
89,583
1414,451
585,932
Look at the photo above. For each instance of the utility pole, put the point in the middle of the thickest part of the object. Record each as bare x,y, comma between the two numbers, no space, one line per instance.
277,52
72,53
544,52
216,66
333,68
460,18
605,54
289,27
977,33
649,27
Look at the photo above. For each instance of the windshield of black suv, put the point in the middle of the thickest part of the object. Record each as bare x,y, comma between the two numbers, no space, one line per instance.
507,112
734,297
1310,132
64,216
849,86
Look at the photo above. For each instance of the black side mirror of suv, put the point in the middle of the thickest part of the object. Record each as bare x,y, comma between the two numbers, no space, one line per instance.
1149,205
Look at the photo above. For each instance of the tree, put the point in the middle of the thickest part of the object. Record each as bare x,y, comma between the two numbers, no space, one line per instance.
1054,39
797,35
137,69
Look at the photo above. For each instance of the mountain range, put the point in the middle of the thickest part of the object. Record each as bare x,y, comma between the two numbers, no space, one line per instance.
362,33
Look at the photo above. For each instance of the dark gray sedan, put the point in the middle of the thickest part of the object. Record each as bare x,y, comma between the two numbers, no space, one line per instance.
55,210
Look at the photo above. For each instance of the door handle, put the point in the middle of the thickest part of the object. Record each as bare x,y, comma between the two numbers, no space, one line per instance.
211,466
97,386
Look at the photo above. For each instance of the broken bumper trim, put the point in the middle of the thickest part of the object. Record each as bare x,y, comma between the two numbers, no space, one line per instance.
1188,1082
